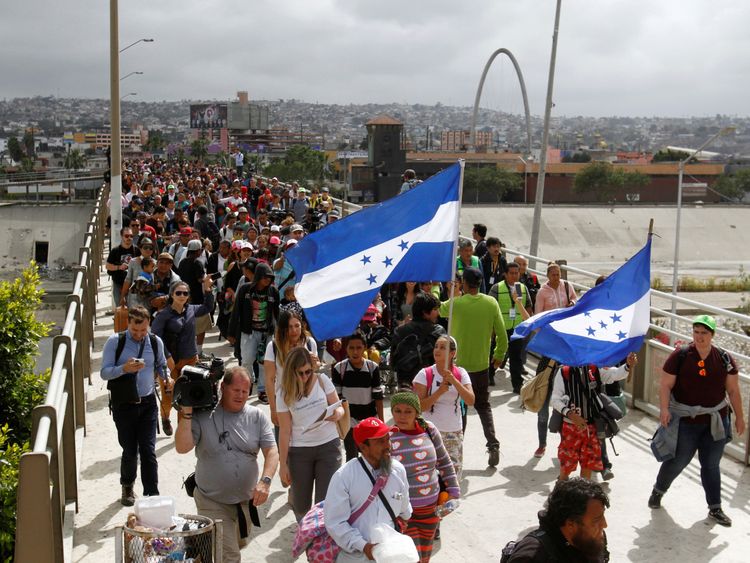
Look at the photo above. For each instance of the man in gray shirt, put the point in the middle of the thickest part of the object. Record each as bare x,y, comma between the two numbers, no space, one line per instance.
226,442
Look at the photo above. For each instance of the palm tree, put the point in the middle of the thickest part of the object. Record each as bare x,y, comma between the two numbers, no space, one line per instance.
74,160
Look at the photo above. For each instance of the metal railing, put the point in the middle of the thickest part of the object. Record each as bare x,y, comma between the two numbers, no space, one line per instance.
48,474
50,188
643,385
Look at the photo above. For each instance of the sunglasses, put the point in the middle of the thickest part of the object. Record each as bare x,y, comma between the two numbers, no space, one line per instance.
304,372
702,365
147,248
127,236
181,293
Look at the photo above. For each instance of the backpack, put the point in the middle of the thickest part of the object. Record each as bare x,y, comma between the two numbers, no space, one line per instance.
534,391
543,538
214,234
121,345
430,377
413,353
683,350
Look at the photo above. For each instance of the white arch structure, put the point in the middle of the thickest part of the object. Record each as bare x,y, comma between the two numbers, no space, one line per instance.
479,96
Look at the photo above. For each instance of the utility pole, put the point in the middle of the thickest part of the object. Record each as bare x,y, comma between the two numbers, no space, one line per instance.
115,186
536,224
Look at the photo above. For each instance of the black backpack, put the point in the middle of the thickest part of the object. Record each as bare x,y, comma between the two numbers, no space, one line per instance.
540,535
413,353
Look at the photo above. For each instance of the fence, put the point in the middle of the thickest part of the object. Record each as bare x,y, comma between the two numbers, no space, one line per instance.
48,474
35,188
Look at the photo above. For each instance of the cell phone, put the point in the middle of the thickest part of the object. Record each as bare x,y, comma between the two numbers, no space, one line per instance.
215,276
139,361
518,288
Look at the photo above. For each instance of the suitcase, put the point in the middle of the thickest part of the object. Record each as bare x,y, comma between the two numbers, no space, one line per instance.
121,319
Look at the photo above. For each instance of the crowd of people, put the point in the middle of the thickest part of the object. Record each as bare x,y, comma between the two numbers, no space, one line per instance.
205,246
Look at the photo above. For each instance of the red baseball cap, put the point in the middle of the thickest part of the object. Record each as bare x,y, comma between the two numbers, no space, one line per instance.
371,428
186,231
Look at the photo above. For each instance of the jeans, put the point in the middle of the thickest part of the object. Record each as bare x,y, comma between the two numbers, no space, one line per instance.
480,385
692,438
249,345
542,417
136,432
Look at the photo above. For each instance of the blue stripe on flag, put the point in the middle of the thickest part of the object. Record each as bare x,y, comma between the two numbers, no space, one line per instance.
425,262
574,350
334,318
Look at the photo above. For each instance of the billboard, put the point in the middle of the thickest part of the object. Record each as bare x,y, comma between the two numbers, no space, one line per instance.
208,116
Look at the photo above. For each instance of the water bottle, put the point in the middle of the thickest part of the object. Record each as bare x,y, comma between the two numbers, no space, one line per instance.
446,508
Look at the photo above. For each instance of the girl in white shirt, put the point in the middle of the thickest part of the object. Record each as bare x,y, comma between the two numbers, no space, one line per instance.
309,444
441,402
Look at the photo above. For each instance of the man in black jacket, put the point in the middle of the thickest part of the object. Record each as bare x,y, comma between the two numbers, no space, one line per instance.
413,342
255,313
571,527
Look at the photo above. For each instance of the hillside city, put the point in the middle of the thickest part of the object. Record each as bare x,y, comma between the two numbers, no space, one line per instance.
343,126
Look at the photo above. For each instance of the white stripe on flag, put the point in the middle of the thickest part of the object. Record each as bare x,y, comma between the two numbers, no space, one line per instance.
348,276
609,325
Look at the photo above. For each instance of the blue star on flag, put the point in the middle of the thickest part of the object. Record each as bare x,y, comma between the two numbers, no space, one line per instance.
621,335
372,279
404,245
616,318
388,261
365,260
602,324
591,331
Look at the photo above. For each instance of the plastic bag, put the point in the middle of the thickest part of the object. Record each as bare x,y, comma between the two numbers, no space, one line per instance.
392,547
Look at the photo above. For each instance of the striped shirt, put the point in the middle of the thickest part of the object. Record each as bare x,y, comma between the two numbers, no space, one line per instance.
361,387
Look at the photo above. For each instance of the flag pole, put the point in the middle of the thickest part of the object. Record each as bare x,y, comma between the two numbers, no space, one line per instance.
650,228
462,163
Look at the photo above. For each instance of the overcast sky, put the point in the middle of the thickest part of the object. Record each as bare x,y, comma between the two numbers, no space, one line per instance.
615,57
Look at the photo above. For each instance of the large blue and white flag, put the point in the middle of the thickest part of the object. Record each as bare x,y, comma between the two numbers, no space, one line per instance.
604,326
407,238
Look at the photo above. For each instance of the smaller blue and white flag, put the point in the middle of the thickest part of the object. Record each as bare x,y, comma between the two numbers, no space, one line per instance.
604,326
342,267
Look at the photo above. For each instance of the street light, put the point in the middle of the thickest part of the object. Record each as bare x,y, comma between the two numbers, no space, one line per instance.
136,43
129,94
130,74
680,171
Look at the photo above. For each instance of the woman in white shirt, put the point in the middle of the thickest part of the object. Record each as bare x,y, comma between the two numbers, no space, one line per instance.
309,444
290,333
440,392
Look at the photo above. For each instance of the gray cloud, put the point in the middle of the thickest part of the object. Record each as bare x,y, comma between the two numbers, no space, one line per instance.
672,57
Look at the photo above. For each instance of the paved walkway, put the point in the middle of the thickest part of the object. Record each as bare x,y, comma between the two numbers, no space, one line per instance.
498,505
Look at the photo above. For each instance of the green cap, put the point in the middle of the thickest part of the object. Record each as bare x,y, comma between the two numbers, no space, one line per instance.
706,320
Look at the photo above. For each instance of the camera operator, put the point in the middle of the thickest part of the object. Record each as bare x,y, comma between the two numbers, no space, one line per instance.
226,442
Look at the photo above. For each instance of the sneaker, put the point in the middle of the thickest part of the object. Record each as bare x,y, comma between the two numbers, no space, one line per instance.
654,501
205,357
539,452
494,457
524,371
128,496
717,514
607,474
263,398
166,425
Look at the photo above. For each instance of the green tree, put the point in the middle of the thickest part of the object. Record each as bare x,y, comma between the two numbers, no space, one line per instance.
489,182
301,163
15,149
156,141
734,185
28,142
20,388
27,164
74,160
578,157
670,155
199,149
603,180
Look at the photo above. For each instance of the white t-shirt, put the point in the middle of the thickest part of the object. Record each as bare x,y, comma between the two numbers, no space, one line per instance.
306,411
270,356
445,414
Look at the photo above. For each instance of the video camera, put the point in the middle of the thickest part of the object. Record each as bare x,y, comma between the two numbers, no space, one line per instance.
197,385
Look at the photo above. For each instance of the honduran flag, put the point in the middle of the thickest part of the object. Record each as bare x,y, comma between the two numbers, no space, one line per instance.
604,326
410,237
